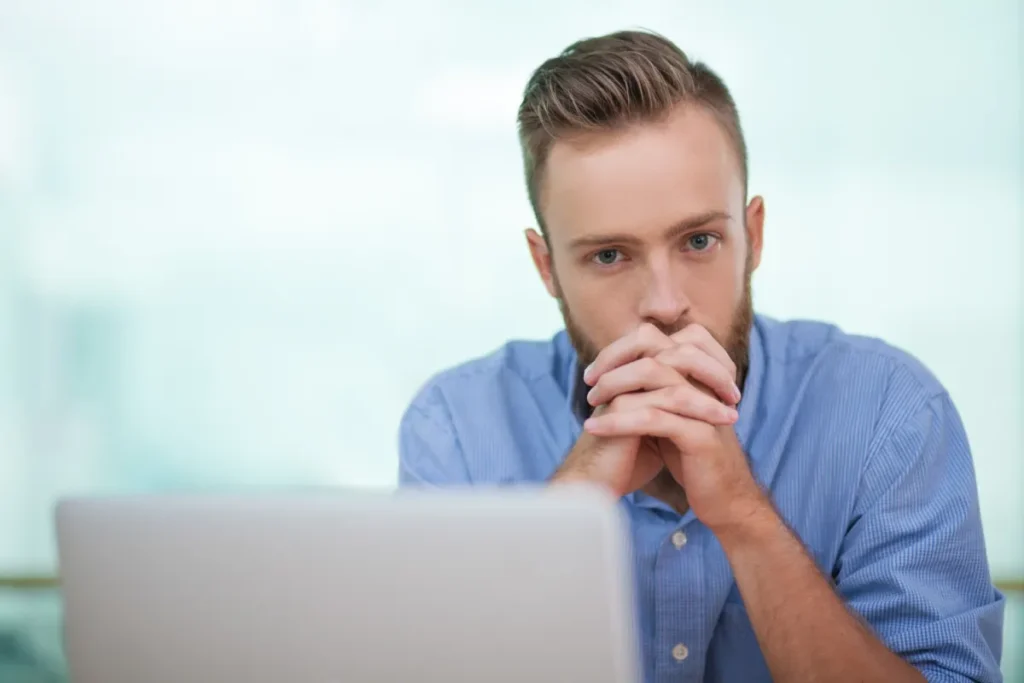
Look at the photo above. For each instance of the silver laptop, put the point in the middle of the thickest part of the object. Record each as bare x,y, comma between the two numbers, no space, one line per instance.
457,587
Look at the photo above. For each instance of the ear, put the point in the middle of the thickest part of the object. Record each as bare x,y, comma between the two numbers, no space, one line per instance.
755,230
541,256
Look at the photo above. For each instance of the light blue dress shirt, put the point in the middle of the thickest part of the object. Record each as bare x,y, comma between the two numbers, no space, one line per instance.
862,450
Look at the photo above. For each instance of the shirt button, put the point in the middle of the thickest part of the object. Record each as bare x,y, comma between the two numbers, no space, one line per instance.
680,652
678,539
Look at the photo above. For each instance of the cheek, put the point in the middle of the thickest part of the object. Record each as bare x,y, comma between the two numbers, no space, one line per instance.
602,308
717,286
715,293
728,264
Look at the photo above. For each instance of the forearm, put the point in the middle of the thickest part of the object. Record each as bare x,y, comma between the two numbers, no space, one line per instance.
804,629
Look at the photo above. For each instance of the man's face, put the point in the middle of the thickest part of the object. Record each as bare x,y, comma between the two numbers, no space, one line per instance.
648,224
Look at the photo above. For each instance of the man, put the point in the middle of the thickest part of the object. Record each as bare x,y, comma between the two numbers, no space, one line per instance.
802,501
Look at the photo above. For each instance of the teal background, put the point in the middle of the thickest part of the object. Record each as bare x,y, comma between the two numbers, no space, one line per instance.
236,236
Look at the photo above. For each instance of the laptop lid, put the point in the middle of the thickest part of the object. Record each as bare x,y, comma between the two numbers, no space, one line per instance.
461,587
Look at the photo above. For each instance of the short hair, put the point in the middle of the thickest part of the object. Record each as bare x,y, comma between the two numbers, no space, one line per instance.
608,83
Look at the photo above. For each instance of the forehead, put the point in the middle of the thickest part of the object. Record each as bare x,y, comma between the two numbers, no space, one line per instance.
646,177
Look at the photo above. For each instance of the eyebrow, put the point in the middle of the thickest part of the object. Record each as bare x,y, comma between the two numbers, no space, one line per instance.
682,226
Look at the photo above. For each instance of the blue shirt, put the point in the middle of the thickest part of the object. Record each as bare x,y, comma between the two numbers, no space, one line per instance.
862,450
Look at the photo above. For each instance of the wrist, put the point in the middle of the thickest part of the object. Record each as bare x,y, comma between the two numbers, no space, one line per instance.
567,476
575,476
751,521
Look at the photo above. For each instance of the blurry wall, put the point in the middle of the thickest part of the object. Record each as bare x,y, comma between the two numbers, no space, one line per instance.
236,236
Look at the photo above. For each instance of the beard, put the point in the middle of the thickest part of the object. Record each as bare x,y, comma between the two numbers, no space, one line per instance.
736,341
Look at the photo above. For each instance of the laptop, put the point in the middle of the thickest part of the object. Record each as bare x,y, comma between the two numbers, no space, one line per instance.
474,586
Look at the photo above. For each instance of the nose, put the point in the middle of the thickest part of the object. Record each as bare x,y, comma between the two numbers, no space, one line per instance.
663,302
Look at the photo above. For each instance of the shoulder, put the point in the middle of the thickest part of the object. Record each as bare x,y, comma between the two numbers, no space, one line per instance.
857,415
485,394
516,363
830,358
868,386
483,420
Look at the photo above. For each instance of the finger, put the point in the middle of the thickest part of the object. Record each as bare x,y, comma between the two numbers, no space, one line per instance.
681,399
699,336
696,364
645,374
645,340
648,421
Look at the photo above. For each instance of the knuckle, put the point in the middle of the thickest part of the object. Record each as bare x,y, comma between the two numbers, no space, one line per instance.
690,332
718,380
668,358
648,366
673,355
682,396
687,354
647,332
682,331
713,411
698,330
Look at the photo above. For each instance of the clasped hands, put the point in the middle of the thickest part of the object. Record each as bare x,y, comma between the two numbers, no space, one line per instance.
667,402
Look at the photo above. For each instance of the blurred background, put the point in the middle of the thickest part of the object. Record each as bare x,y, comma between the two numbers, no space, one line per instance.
237,235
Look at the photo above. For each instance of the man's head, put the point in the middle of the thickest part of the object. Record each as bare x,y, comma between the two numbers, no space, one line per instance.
636,170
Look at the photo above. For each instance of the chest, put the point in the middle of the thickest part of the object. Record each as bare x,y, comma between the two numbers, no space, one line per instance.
690,615
690,620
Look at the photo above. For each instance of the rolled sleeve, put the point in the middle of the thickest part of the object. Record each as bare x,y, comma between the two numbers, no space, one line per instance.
913,560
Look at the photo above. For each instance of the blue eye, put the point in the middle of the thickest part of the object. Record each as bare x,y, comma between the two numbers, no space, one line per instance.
701,242
607,257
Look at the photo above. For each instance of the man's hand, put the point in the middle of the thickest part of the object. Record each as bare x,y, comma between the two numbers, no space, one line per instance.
693,352
627,463
619,464
680,390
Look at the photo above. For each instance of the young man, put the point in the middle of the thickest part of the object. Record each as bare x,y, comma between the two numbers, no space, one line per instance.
802,501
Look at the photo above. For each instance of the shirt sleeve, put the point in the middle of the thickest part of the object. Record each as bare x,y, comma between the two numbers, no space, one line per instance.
913,561
429,452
